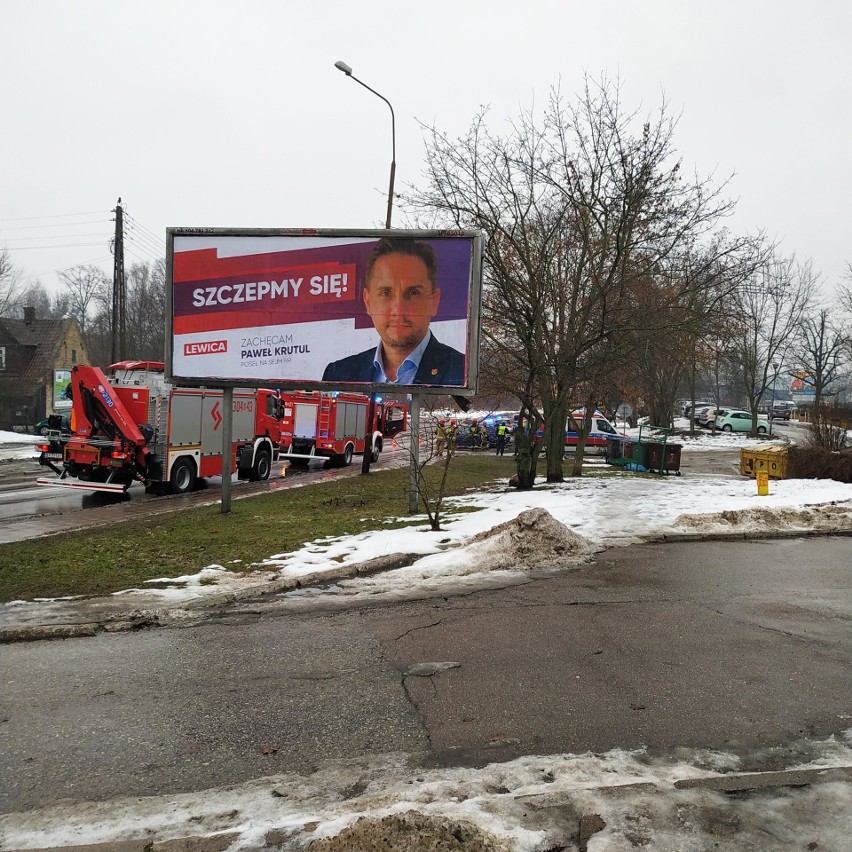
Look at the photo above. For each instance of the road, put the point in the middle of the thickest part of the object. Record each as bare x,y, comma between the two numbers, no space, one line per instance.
28,510
741,646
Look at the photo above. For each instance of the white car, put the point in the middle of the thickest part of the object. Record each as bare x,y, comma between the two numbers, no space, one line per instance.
740,421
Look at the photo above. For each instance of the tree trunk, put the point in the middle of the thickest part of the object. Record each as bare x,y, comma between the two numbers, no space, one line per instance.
582,434
526,457
555,415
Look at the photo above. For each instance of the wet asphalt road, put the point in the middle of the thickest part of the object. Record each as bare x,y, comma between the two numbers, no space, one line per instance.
28,510
743,646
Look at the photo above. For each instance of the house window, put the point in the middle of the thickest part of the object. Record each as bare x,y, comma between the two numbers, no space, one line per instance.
73,356
2,357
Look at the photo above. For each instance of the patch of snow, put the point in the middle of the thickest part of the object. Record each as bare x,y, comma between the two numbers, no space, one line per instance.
523,805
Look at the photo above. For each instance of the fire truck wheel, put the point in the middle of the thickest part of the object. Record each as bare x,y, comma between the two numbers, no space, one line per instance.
262,467
347,455
182,479
377,451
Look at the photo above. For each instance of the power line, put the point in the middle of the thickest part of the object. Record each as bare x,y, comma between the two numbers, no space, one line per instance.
63,245
146,241
94,260
55,236
136,222
53,225
145,259
143,236
150,255
141,247
58,216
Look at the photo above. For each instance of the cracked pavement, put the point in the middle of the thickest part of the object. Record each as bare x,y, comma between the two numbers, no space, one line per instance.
731,645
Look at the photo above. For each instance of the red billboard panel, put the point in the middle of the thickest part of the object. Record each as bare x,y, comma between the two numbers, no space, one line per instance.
324,308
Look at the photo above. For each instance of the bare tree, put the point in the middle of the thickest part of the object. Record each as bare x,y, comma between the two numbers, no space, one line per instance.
819,349
432,463
145,312
845,290
844,300
46,306
11,284
577,208
86,286
766,316
146,308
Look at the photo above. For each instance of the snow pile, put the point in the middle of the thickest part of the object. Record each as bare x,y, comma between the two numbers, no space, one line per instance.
534,539
411,832
815,518
18,438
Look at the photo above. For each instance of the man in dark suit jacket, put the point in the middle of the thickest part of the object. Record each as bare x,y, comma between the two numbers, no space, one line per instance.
439,365
401,299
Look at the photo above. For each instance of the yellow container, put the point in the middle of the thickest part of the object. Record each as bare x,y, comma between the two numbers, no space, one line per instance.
747,462
762,484
765,458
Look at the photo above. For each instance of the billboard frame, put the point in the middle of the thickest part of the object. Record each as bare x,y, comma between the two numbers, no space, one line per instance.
476,238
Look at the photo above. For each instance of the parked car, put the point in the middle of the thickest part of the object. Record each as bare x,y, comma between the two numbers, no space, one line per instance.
740,421
706,416
780,412
686,406
720,413
56,422
699,407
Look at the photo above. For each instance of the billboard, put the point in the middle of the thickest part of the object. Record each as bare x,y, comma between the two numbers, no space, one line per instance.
803,386
61,389
324,308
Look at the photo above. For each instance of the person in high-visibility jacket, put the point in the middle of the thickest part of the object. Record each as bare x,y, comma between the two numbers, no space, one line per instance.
502,431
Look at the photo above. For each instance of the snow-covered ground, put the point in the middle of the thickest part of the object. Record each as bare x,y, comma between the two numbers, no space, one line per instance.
16,445
508,806
531,804
606,511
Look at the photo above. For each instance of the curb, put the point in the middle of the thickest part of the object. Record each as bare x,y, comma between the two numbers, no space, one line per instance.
159,617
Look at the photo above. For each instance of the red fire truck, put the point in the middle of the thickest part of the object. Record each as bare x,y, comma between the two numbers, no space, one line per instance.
334,425
134,425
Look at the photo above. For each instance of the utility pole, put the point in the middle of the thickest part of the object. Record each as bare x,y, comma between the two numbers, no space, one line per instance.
119,289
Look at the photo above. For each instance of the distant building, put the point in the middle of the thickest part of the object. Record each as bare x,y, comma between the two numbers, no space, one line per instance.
36,356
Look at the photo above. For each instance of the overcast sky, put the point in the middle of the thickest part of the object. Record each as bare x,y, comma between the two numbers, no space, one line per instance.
232,114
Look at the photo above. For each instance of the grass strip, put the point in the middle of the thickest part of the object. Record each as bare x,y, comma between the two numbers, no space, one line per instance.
104,560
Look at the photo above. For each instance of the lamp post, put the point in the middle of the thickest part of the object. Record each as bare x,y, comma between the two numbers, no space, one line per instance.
775,368
340,65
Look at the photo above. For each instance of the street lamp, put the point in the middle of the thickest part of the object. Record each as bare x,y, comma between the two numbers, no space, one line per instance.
342,66
775,369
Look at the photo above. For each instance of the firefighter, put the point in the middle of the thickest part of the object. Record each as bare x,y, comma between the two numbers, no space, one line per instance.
452,432
440,436
484,440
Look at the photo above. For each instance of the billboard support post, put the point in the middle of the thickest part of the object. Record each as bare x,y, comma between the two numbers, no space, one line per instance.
368,438
227,441
414,458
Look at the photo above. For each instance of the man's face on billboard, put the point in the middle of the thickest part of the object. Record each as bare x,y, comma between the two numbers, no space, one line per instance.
400,300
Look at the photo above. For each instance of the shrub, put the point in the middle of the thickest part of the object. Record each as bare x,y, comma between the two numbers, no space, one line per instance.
823,433
819,463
